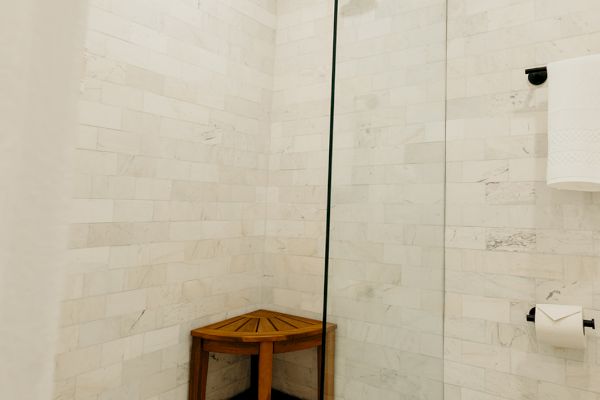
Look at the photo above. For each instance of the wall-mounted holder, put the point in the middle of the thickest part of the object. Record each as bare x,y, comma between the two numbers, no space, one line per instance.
587,323
537,76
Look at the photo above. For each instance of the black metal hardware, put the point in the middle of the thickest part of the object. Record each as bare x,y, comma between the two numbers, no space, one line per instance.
537,76
328,203
531,315
587,323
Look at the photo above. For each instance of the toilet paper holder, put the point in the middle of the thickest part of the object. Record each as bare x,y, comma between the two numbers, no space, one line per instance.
587,323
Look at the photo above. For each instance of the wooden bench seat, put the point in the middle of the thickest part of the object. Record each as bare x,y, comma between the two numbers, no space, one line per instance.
259,334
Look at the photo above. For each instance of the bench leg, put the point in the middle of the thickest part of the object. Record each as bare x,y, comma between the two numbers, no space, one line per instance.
198,371
254,375
319,367
265,370
329,365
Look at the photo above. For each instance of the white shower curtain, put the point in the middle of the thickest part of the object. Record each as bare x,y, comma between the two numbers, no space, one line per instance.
40,49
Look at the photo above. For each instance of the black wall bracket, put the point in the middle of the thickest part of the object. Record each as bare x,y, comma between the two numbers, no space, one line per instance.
537,76
587,323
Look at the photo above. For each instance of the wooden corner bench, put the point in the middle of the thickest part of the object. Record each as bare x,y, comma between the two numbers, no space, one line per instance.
259,334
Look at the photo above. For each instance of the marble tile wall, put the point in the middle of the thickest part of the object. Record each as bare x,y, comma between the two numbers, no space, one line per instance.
387,283
511,241
201,163
295,231
387,240
298,155
168,214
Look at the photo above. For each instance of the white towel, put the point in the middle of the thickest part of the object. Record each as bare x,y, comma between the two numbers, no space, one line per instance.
574,124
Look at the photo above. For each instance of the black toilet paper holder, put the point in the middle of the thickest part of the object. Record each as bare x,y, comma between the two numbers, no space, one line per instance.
587,323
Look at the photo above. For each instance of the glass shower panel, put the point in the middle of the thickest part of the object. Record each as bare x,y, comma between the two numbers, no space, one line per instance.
386,283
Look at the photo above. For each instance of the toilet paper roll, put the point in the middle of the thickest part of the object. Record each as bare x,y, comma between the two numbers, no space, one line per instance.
560,325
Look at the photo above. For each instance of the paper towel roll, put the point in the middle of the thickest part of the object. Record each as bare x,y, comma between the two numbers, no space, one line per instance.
560,325
574,124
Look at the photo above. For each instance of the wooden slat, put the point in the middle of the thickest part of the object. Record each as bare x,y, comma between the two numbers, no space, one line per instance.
262,314
294,322
307,320
249,326
281,325
270,321
222,324
265,326
234,326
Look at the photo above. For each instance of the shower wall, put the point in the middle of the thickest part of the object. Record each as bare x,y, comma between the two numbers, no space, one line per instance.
298,156
295,233
201,163
386,277
169,204
512,241
387,239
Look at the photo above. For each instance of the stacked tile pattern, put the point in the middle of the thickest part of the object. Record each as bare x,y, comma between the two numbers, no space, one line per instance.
200,194
298,155
169,198
295,232
387,239
511,241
